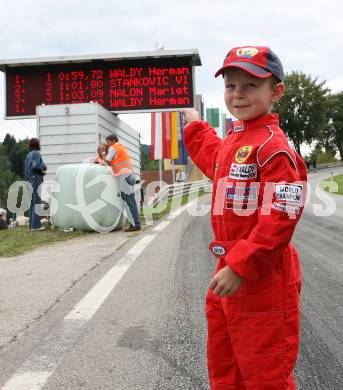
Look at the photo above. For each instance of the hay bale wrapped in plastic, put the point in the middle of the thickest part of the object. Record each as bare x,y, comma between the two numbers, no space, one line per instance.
86,197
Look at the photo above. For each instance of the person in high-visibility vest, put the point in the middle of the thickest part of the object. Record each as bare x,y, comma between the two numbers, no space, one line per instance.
119,160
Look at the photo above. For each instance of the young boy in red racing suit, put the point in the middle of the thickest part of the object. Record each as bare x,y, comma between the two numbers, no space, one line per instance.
252,305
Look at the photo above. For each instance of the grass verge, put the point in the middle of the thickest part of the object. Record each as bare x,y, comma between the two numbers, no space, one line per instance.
14,242
337,188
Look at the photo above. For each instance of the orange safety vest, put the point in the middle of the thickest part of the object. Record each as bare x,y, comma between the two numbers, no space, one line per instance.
121,163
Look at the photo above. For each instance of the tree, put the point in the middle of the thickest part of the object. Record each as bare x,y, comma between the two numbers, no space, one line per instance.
332,135
7,177
16,153
9,142
147,163
302,109
17,157
321,156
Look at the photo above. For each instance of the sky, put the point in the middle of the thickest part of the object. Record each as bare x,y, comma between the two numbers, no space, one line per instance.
307,35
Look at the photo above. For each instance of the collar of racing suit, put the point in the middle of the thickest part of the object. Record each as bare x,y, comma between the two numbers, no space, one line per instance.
261,121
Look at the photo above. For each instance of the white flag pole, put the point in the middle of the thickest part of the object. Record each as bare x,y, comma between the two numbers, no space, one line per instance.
160,171
173,170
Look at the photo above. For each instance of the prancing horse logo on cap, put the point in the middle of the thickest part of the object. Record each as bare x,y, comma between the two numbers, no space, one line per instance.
246,52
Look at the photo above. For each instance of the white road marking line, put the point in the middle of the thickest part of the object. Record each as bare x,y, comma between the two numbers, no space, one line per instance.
176,212
89,305
44,360
188,206
161,226
129,258
27,380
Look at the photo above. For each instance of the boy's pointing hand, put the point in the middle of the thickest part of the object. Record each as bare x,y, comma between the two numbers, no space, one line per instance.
225,282
189,115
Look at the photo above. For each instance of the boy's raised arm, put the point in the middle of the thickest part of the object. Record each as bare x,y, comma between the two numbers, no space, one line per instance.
202,142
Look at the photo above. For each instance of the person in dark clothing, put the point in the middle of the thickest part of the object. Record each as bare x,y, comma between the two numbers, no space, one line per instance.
34,172
3,219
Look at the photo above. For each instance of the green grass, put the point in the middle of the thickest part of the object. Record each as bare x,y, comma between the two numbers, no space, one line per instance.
14,242
337,189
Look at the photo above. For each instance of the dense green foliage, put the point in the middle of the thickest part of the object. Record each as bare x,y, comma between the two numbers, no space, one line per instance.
331,137
12,158
7,176
147,163
321,155
16,153
303,108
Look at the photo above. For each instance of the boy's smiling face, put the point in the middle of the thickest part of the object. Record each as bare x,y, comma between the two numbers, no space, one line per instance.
247,96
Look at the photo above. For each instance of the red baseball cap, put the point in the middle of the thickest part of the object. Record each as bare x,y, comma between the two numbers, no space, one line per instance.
260,61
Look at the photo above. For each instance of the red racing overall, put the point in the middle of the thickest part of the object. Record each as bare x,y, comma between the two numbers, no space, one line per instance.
258,196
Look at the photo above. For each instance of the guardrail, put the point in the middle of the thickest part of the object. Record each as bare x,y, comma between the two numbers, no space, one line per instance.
179,189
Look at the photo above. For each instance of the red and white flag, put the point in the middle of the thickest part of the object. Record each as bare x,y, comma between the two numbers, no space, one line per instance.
161,135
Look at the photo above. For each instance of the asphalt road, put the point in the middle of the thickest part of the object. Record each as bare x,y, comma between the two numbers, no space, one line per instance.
150,332
319,241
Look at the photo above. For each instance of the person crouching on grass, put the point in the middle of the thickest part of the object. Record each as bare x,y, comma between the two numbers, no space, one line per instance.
252,305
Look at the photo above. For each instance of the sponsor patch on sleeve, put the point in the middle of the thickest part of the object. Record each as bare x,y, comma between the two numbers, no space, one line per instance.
218,250
243,171
285,208
289,193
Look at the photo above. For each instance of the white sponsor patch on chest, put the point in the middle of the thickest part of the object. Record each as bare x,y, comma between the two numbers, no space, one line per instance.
290,193
243,171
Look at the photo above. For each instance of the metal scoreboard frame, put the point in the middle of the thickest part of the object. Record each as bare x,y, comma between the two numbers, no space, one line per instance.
56,74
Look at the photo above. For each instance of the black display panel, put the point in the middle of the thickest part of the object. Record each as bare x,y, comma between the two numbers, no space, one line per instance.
133,85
